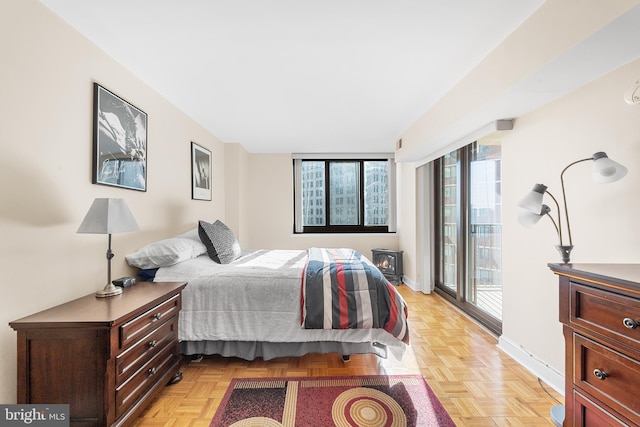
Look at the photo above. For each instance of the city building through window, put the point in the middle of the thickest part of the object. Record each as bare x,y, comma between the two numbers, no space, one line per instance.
343,195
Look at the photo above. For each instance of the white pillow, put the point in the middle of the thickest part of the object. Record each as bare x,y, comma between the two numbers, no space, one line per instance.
191,234
166,252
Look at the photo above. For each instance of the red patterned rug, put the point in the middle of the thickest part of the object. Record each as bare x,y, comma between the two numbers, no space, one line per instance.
379,400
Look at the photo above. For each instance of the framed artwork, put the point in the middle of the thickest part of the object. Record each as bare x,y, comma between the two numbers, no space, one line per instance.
119,141
200,172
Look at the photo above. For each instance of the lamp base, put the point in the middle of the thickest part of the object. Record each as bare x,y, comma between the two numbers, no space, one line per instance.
565,251
109,291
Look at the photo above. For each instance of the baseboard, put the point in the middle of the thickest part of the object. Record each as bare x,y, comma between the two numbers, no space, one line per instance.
413,285
537,367
410,283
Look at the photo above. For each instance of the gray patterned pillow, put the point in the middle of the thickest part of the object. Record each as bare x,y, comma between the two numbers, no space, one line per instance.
222,245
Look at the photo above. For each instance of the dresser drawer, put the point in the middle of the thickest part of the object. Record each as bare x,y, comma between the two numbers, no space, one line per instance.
589,414
607,375
138,354
606,313
141,325
144,378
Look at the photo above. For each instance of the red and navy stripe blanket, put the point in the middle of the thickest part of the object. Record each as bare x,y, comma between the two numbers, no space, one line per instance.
342,289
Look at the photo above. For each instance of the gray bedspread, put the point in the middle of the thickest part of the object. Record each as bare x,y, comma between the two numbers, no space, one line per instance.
254,299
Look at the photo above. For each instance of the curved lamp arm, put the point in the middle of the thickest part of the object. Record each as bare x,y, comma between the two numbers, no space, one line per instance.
558,226
564,195
605,170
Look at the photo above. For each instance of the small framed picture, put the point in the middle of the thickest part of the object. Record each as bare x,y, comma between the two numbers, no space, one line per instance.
200,172
119,142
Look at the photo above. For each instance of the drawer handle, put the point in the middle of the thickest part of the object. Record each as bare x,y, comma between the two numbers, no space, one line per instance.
630,323
152,371
153,343
156,317
601,375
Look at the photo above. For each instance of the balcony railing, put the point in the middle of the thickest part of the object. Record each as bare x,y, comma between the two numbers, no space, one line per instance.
485,284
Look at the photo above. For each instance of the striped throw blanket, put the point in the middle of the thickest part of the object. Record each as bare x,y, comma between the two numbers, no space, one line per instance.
342,289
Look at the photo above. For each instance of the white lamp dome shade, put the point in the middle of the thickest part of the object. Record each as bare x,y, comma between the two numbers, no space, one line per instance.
533,200
606,170
528,219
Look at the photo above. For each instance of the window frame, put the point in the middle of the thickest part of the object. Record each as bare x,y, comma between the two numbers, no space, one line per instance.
299,228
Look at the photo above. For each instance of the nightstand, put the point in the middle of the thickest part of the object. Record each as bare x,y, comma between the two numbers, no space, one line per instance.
105,357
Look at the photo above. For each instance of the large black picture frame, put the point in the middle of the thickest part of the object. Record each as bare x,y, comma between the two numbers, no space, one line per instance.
119,141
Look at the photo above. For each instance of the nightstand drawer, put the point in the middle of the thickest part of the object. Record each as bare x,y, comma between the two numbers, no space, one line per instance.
137,355
143,324
612,315
147,376
609,376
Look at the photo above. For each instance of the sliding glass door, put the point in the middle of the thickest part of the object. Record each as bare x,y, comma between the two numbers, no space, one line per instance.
468,225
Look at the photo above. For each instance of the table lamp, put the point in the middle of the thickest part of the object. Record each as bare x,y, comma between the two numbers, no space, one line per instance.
107,216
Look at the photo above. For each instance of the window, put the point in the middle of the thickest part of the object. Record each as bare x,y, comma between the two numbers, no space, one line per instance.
468,225
343,195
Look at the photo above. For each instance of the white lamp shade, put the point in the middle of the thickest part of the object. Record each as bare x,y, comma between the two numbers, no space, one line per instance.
108,216
606,170
533,200
528,219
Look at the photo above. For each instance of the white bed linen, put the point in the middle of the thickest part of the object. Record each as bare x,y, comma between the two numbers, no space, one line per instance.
254,298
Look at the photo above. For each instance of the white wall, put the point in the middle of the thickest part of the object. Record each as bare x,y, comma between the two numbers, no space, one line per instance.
237,212
407,226
603,217
46,105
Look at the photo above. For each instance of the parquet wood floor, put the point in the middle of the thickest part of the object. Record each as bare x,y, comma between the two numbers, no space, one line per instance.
477,383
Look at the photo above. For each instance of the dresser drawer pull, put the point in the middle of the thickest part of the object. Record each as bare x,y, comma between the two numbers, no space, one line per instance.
153,343
156,317
601,375
630,323
152,371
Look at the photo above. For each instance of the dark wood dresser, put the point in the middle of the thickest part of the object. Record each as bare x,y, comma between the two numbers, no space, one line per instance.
600,313
105,357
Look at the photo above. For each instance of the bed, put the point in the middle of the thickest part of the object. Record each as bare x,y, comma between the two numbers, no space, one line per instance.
260,303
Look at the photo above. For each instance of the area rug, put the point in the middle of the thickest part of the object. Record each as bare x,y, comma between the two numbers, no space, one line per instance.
379,400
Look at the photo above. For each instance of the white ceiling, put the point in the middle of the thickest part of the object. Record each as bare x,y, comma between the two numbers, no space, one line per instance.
286,76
